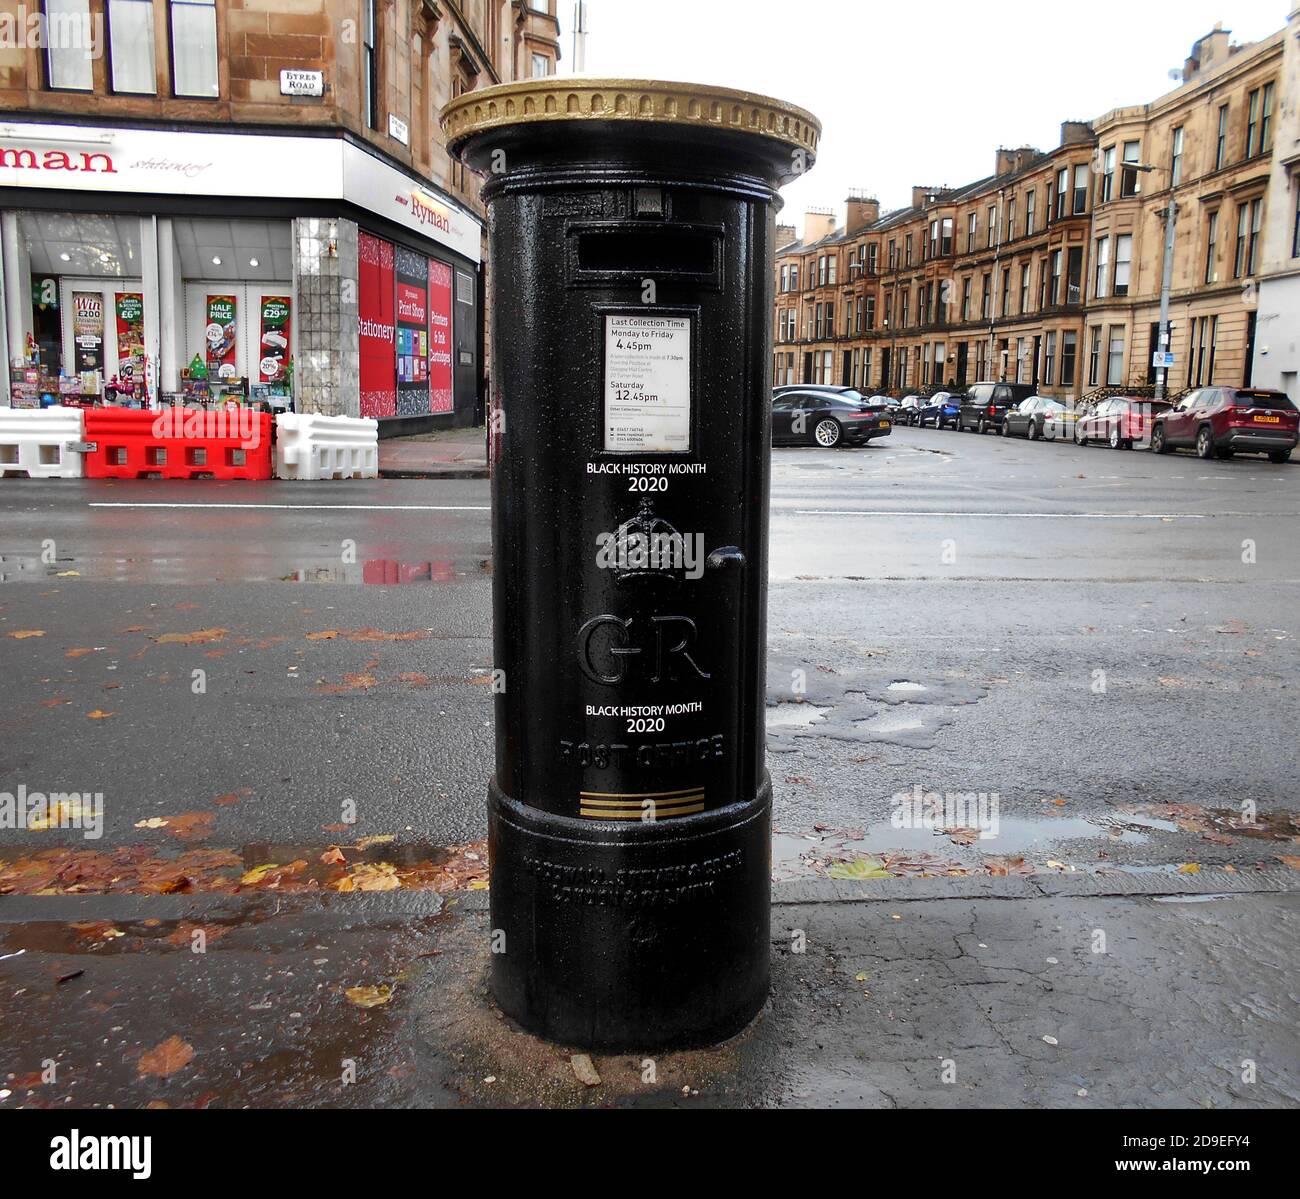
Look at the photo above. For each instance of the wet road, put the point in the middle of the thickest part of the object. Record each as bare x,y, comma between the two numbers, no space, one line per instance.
1039,622
1098,647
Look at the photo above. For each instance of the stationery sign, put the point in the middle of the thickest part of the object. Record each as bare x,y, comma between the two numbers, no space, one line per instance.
647,384
376,325
88,330
273,349
440,388
220,337
411,273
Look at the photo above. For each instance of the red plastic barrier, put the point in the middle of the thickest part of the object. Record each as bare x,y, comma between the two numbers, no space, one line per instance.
178,443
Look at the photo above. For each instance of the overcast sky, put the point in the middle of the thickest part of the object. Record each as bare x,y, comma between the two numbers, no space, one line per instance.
915,93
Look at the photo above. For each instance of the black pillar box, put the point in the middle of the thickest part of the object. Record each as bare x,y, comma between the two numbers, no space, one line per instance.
631,234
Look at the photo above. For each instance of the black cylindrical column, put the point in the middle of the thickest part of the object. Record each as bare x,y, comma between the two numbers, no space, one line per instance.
631,244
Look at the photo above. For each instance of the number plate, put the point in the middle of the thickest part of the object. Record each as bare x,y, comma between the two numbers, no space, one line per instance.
1268,420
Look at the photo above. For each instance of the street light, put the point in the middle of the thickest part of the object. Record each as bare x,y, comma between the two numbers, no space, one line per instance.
1166,281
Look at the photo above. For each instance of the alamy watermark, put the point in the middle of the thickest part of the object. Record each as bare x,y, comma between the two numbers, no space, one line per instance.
38,811
946,812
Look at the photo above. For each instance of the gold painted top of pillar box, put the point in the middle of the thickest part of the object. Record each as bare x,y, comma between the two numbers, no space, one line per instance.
554,98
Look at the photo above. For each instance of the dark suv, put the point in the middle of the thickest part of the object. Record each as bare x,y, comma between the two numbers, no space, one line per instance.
985,404
1221,421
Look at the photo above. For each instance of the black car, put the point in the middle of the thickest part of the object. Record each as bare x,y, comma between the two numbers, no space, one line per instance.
827,418
985,404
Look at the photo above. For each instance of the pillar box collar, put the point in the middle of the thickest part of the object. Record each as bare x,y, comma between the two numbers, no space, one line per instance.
784,135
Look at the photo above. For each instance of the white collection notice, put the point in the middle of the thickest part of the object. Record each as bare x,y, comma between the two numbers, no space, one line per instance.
647,384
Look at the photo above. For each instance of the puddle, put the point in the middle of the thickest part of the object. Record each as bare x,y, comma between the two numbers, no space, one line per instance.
888,723
786,716
905,686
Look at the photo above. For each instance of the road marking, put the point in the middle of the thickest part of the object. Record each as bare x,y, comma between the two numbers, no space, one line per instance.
1010,515
317,507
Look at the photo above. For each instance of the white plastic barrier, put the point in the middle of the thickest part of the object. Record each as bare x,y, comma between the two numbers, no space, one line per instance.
35,442
326,447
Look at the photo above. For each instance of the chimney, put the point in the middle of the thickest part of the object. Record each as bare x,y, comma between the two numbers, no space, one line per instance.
861,210
1208,52
785,236
1076,133
817,224
1011,161
1006,161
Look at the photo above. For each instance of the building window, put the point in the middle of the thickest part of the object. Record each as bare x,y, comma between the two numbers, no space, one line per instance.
873,255
1006,291
893,255
1069,353
1062,192
1211,248
1094,357
1029,213
1176,158
946,236
1051,191
1011,219
904,296
1123,262
1252,124
68,59
1221,141
194,48
991,232
985,299
832,268
1239,252
1056,279
130,50
1107,174
966,284
541,66
1295,232
1049,360
785,277
1074,276
871,313
1129,184
1252,251
1080,189
1266,120
794,277
1024,289
370,63
1115,357
1101,277
972,223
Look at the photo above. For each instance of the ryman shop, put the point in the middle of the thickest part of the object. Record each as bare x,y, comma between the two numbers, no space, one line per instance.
142,264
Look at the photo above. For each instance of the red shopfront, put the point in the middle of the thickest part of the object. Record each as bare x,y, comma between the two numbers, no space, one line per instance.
405,315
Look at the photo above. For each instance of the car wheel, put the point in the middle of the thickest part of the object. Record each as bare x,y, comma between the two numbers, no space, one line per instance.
1159,445
1115,440
1032,432
1279,456
1080,437
1204,443
826,433
983,426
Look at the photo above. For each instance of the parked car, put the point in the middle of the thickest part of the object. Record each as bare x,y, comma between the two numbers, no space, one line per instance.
1120,421
827,418
985,404
940,409
1222,421
1039,416
908,411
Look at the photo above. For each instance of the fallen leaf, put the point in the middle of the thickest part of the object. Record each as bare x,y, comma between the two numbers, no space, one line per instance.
369,996
100,714
152,822
585,1070
333,857
172,1055
1289,860
191,826
1189,868
200,637
67,574
377,839
859,868
80,652
23,634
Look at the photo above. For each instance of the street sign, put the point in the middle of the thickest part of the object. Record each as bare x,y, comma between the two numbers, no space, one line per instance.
302,83
1163,359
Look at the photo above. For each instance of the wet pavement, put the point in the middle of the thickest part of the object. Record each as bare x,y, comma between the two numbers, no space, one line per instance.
1091,653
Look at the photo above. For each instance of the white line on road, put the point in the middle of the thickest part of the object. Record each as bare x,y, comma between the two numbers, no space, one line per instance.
315,507
1010,515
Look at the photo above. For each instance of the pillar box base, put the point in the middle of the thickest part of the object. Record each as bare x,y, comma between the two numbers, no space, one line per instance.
651,937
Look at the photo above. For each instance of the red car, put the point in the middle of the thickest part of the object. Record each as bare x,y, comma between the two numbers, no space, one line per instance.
1120,422
1222,421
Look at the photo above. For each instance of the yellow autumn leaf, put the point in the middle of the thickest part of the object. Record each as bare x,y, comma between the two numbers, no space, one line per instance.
23,634
67,574
379,876
258,873
369,996
59,814
99,714
479,884
1189,868
152,822
377,839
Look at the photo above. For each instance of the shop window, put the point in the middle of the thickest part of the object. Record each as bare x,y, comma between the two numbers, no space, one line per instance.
69,57
194,48
131,47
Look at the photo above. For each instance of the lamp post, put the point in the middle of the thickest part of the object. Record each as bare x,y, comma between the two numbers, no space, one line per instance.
1170,217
